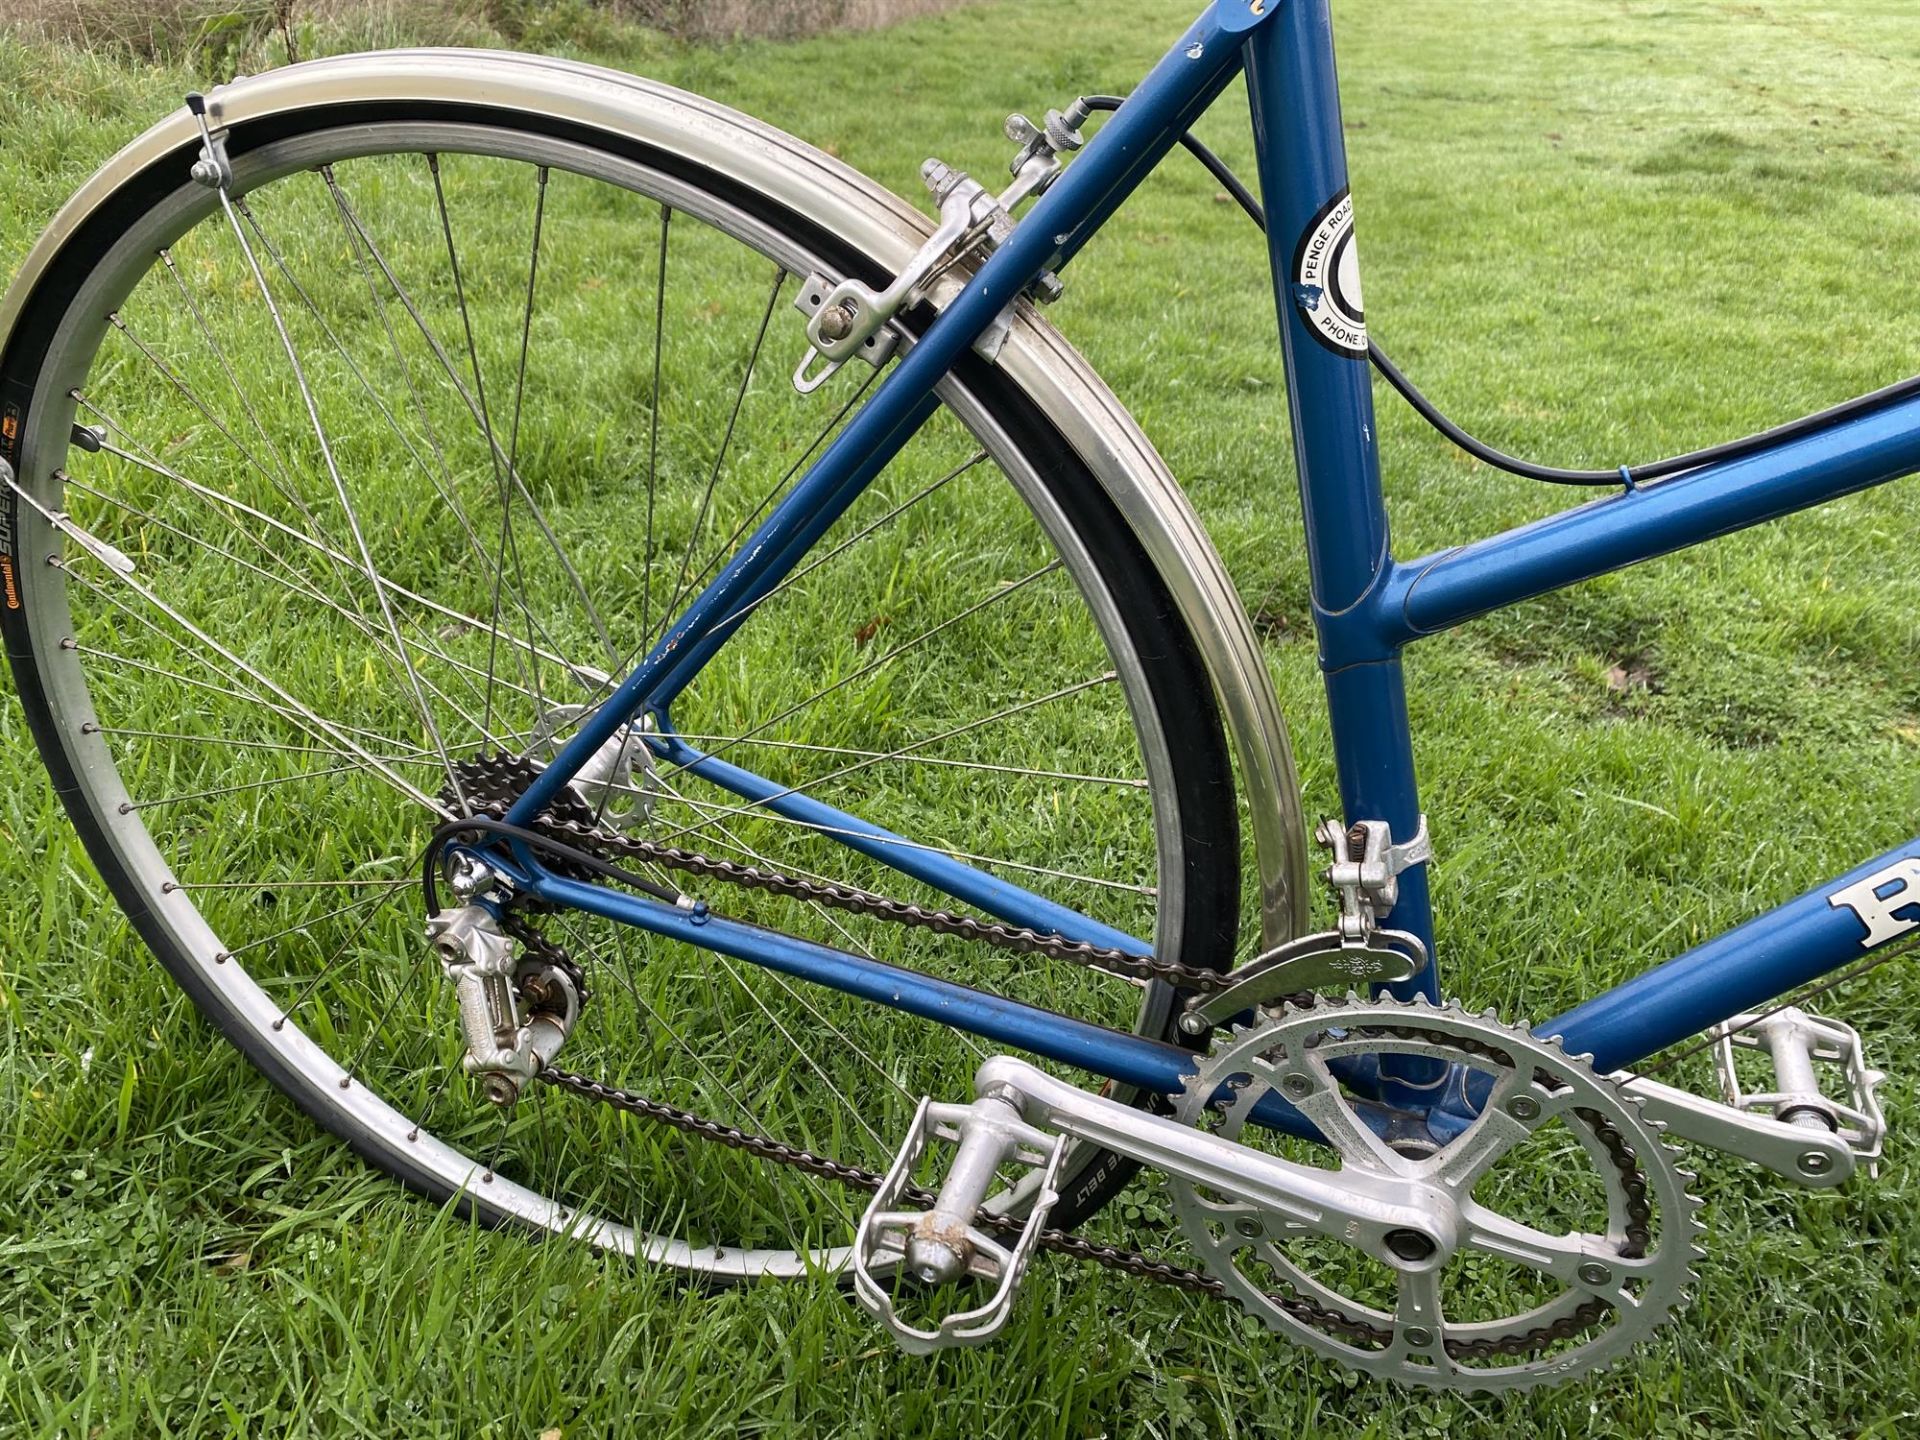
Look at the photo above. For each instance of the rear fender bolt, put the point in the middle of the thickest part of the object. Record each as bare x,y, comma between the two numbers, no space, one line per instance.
836,321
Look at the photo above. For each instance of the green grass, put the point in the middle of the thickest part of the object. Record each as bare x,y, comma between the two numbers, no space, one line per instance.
1594,235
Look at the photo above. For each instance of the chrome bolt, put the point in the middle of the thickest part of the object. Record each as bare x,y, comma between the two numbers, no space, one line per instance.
1815,1162
1524,1107
1249,1227
467,875
1594,1273
1418,1336
836,321
1296,1086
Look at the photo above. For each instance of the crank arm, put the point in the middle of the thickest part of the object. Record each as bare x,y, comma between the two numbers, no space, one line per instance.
1814,1157
1403,1223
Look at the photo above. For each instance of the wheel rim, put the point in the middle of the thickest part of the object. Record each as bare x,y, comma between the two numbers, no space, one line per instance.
179,911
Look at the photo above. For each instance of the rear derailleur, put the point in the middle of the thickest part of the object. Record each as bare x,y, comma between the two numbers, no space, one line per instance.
515,1013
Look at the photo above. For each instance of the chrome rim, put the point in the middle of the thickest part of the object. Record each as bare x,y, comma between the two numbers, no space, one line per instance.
247,964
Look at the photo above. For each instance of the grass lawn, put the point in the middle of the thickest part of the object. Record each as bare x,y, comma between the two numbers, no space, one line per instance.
1594,235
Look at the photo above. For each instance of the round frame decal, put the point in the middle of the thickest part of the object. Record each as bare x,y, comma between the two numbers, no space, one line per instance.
1326,279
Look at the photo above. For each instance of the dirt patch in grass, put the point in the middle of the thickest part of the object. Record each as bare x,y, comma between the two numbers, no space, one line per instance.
735,19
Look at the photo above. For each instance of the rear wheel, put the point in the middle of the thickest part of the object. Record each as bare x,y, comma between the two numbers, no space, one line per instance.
386,471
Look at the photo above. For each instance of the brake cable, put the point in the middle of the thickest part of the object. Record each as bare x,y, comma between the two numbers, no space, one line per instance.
1500,460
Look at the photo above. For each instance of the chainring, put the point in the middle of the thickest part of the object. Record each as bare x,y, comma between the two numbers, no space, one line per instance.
1585,1297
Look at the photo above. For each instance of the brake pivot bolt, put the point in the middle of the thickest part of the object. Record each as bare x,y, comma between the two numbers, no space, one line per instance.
1594,1273
836,321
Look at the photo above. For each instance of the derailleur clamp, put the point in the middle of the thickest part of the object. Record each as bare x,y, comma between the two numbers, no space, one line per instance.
1366,867
1355,952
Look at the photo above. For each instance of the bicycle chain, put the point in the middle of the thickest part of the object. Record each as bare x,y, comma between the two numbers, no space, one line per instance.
493,784
506,776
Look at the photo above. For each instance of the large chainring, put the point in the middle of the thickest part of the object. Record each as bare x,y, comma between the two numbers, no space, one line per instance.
1516,1304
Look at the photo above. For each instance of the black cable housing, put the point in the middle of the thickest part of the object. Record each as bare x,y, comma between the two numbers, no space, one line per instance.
586,860
1513,464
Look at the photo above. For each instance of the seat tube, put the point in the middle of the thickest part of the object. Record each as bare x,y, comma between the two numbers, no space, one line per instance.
1310,233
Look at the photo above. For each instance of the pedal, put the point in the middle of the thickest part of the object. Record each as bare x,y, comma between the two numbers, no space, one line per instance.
942,1244
1803,1047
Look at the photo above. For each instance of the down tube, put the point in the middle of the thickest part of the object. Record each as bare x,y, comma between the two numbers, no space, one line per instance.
1844,920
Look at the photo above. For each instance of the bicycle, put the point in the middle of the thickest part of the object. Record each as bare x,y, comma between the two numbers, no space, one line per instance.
231,333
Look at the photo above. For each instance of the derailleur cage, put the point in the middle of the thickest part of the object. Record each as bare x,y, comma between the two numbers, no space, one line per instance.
514,1014
1365,878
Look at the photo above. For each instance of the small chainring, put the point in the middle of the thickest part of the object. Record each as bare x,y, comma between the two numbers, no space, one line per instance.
1548,1301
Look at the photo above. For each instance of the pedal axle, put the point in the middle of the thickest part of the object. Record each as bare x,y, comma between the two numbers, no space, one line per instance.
1802,1045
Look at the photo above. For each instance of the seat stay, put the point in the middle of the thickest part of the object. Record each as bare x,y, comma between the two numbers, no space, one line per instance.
1114,162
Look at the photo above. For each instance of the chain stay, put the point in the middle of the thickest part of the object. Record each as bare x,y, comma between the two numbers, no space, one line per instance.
585,835
1022,941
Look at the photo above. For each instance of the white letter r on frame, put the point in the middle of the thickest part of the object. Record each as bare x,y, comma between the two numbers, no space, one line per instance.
1875,910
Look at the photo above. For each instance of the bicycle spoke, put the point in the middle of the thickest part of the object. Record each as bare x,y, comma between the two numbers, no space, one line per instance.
854,539
757,807
372,517
319,726
653,427
587,675
836,832
726,547
730,840
894,654
304,926
878,756
680,587
365,923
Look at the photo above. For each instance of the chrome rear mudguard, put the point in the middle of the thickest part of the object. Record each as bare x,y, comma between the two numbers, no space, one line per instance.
889,230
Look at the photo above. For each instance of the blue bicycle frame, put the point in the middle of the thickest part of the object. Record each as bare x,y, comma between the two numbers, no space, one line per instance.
1367,605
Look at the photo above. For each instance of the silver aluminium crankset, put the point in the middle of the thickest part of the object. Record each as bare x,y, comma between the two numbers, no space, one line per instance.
1520,1222
1559,1230
1546,1237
